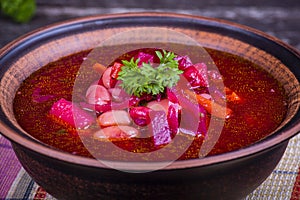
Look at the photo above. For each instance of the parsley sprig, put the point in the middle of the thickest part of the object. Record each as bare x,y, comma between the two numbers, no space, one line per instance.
148,79
19,10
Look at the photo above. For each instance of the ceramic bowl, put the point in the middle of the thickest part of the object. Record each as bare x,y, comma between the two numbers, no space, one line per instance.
231,175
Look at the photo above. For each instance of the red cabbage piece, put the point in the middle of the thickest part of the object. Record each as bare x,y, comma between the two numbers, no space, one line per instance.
71,114
160,128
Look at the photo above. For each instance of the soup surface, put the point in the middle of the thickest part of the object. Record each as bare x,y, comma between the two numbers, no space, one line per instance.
252,105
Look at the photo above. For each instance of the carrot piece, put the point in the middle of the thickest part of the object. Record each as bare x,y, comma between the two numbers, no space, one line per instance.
99,68
231,95
210,106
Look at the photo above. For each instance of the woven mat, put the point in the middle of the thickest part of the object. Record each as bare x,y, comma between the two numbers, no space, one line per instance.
282,184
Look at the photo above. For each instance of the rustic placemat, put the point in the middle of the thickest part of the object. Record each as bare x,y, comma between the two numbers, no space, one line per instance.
282,184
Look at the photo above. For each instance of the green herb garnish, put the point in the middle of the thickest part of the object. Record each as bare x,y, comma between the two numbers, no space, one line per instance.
19,10
148,79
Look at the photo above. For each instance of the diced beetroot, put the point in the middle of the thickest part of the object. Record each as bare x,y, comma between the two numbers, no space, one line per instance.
202,126
140,115
171,96
202,69
183,62
196,76
71,114
100,82
173,117
173,112
144,57
160,128
193,116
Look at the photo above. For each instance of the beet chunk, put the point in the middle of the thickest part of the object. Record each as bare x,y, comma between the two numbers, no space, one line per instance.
160,128
71,113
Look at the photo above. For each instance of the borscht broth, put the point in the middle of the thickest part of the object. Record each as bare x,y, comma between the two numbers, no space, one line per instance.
123,109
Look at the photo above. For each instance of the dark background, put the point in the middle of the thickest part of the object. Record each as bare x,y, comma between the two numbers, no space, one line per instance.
280,18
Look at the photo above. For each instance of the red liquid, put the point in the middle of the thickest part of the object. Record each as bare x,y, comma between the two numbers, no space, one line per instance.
262,110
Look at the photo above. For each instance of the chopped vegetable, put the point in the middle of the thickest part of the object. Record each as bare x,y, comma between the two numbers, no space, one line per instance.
196,76
97,94
106,78
99,68
160,128
149,97
114,118
157,105
173,118
174,111
71,114
194,120
184,62
211,106
114,73
232,96
115,133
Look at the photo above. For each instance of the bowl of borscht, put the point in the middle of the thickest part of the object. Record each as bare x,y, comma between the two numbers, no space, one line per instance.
149,105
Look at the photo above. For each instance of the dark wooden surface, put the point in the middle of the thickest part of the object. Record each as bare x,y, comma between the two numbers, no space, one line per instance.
280,18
